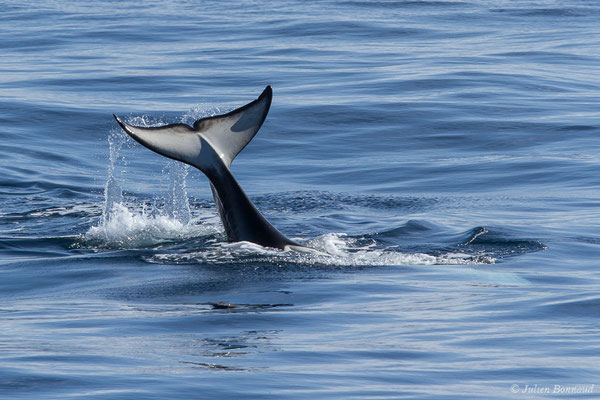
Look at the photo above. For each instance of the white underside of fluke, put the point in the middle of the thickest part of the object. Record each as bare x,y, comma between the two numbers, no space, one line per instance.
226,134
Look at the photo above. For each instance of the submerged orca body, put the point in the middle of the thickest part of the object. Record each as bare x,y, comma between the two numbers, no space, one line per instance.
211,145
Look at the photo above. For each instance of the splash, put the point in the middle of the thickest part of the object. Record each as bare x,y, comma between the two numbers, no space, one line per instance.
177,205
200,111
124,228
131,223
113,193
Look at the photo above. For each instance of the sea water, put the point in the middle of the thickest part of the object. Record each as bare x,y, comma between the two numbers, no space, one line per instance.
444,155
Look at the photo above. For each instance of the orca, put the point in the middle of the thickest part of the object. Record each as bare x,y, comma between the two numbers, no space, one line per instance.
210,145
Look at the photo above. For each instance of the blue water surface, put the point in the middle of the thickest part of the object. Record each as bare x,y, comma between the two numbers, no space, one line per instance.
446,155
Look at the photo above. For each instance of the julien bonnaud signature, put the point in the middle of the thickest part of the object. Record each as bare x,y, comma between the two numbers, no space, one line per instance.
552,389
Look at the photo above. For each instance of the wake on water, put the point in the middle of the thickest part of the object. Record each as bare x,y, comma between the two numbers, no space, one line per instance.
167,223
126,228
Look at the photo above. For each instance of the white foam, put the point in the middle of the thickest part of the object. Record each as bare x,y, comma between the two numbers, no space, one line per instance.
334,249
346,251
125,228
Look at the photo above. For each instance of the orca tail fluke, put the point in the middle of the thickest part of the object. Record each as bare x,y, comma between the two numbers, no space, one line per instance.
225,134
